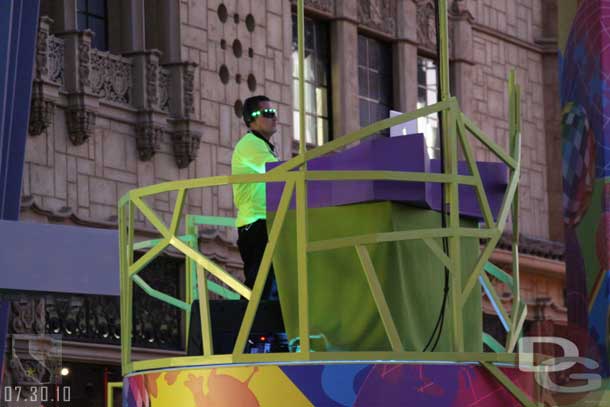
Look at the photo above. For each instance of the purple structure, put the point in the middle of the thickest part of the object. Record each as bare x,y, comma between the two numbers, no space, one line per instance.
406,153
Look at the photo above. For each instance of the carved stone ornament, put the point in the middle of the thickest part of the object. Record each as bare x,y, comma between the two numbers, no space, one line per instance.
49,54
41,49
186,146
378,14
426,24
27,316
110,76
459,9
41,110
152,81
55,60
84,48
148,140
188,88
96,318
327,6
80,122
164,89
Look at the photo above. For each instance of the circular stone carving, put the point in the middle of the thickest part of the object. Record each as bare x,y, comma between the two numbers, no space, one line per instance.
250,52
238,107
250,23
238,78
236,18
224,74
223,44
223,14
237,48
251,83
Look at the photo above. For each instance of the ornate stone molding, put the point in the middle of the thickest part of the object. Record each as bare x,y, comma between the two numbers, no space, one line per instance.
110,76
327,6
378,14
41,110
84,59
148,140
48,77
42,47
27,316
152,81
188,87
80,123
459,9
163,88
426,25
55,60
186,143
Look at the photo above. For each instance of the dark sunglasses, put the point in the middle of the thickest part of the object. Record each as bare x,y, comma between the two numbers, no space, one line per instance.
269,113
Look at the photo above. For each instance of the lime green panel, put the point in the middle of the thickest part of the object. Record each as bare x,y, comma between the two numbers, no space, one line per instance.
412,278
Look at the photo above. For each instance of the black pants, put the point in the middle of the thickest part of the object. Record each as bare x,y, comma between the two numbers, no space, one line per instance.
251,242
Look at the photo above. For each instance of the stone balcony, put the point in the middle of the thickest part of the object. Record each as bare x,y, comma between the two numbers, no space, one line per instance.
133,87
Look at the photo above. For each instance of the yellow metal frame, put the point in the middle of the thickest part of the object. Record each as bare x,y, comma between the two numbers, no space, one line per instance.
294,174
110,392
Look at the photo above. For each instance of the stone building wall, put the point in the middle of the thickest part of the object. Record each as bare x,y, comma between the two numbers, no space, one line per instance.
507,35
252,45
239,48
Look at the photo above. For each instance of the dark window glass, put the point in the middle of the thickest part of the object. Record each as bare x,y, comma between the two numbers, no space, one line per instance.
363,82
317,81
375,80
82,21
364,112
92,15
362,56
97,7
98,26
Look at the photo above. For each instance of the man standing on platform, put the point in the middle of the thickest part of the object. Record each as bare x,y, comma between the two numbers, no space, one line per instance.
251,154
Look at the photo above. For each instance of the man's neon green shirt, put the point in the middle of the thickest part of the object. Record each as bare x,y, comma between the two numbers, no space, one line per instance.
249,157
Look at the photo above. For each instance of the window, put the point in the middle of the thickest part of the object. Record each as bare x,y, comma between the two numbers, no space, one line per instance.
93,15
427,94
317,81
374,80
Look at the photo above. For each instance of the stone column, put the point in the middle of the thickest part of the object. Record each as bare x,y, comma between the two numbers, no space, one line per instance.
344,71
63,13
132,27
405,57
147,99
186,130
461,53
45,92
82,105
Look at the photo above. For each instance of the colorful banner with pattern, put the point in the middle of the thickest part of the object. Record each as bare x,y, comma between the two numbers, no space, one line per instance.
336,384
584,65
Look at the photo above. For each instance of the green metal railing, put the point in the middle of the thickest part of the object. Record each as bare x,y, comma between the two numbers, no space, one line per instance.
457,128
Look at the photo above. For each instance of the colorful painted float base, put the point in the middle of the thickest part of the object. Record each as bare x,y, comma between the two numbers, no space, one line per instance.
355,384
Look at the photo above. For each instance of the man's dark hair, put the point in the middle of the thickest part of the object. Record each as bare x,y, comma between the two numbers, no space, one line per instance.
251,105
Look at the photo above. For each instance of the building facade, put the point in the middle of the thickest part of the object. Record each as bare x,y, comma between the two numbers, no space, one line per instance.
129,93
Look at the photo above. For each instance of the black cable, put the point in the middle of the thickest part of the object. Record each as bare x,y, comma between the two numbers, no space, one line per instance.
438,327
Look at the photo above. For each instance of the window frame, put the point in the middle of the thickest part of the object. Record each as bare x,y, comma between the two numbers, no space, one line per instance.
321,63
383,71
89,15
